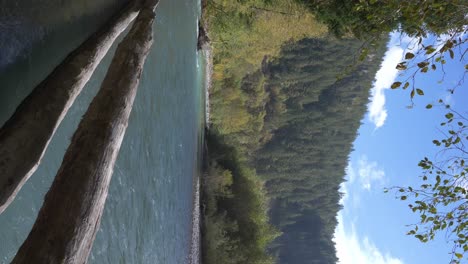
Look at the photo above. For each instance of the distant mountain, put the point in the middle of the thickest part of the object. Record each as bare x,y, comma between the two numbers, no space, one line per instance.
318,92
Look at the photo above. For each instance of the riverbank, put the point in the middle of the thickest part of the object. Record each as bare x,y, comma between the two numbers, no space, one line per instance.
208,81
234,223
195,246
203,47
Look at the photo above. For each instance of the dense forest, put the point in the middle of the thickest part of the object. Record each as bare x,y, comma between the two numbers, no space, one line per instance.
304,162
285,109
236,227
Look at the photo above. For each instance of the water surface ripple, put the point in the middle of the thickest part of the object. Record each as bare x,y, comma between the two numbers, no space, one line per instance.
147,216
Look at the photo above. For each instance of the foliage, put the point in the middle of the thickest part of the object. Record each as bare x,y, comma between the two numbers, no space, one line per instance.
277,103
236,227
364,18
437,29
441,200
245,35
304,161
431,56
312,120
243,32
436,34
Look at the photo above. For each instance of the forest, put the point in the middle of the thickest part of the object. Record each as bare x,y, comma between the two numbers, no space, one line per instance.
303,163
285,109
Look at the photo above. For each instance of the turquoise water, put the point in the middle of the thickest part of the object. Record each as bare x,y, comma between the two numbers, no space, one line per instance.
147,217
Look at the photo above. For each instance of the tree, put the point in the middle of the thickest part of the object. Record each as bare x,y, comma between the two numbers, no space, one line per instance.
25,136
437,29
366,18
68,221
437,32
442,199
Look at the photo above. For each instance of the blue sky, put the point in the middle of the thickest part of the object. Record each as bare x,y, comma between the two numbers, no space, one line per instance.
372,226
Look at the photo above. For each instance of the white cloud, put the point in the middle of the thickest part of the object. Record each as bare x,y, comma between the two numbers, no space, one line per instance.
448,99
351,249
369,173
350,173
384,78
366,175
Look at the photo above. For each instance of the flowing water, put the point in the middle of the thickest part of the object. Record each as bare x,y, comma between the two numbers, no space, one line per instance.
148,214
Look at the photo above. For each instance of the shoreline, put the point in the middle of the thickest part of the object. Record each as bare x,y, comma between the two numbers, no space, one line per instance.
208,75
195,242
203,46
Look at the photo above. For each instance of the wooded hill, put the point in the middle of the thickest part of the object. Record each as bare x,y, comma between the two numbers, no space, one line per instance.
286,109
304,162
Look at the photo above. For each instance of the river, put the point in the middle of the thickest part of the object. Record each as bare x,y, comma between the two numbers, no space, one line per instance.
148,213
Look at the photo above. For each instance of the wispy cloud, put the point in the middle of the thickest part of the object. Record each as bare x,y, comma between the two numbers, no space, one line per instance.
361,176
384,78
351,249
369,173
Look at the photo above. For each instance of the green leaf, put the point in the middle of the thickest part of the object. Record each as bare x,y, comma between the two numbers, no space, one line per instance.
423,64
420,92
406,85
412,94
458,255
429,106
451,54
449,116
403,198
430,49
395,85
449,44
409,55
401,66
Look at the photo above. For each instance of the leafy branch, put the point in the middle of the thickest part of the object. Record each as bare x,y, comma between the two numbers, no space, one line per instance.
441,200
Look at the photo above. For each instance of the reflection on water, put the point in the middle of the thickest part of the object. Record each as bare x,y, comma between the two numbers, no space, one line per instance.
148,211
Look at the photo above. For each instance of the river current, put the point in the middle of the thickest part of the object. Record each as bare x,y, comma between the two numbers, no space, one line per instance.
148,213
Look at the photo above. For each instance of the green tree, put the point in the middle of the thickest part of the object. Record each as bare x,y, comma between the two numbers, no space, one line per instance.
364,18
437,33
442,198
437,30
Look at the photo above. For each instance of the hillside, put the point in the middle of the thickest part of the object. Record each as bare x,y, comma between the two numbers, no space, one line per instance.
303,164
285,109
